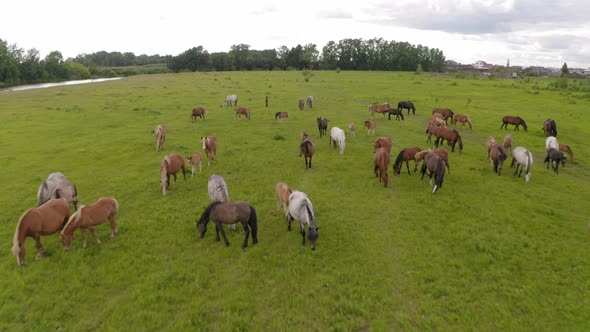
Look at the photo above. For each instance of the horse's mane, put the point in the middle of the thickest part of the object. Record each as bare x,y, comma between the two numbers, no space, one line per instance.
205,216
310,214
399,158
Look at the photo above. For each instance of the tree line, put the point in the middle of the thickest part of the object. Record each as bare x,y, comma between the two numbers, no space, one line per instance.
18,66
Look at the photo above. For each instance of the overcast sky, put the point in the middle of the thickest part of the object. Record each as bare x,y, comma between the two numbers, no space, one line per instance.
528,32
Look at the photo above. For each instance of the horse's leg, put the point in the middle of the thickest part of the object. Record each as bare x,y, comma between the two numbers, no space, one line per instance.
114,228
93,232
448,166
223,233
84,242
247,231
217,227
408,166
40,248
302,232
289,219
174,178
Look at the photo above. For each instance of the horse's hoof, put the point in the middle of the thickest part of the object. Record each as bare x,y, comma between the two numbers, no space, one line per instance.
227,244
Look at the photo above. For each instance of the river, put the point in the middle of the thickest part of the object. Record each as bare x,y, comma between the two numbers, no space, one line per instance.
50,85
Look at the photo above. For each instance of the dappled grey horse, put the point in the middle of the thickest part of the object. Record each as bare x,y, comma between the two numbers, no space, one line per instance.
231,99
56,186
218,192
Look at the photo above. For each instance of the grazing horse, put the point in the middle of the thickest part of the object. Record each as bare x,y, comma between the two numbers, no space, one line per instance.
498,155
463,119
370,125
351,130
210,147
379,108
407,105
522,158
551,142
550,127
282,192
301,104
281,115
432,130
307,149
300,208
88,217
230,213
452,136
435,166
322,125
309,101
554,157
337,136
406,155
383,142
513,120
160,132
446,113
57,185
566,148
508,143
193,161
242,111
398,114
381,159
231,99
197,112
171,164
217,189
490,143
441,152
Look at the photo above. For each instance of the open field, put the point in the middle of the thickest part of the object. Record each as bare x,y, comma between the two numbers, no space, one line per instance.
487,252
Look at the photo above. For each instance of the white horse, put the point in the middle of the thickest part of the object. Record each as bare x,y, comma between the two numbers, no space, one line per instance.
301,209
231,99
218,192
337,135
309,102
56,186
551,142
522,157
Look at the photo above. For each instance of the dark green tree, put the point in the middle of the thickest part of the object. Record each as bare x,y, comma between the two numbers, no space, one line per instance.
564,70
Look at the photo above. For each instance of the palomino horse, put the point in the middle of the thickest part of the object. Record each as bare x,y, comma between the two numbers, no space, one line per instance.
46,219
381,160
171,164
242,111
57,185
447,113
210,147
281,115
554,157
197,112
508,143
337,136
230,213
463,119
406,155
218,192
566,148
307,149
435,166
301,104
300,208
441,152
383,142
309,101
231,99
550,127
351,130
160,132
407,105
88,217
452,136
398,114
490,143
522,158
370,125
322,125
282,192
498,155
551,142
193,161
513,120
379,108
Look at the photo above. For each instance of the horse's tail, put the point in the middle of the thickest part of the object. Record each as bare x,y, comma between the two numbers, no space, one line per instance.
16,245
529,162
440,173
253,222
42,193
524,125
116,206
459,140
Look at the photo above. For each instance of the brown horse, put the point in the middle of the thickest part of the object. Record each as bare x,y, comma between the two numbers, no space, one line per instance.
550,128
46,219
381,159
452,136
432,130
498,155
435,166
463,119
301,104
243,111
171,164
566,148
282,192
513,120
193,161
508,143
441,152
307,149
383,142
281,115
230,213
406,155
322,125
447,113
370,125
88,217
210,147
160,132
351,130
379,108
197,112
490,143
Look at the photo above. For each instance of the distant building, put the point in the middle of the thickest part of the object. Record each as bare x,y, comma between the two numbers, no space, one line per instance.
482,65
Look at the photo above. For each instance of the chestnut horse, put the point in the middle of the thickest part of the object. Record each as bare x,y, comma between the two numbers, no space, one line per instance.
54,184
381,159
463,119
197,112
230,214
370,125
447,113
322,125
307,149
383,142
46,219
171,164
432,130
513,120
193,161
160,132
406,155
243,111
498,155
566,148
452,136
379,108
88,217
407,105
282,192
441,152
435,166
550,128
508,143
210,147
281,115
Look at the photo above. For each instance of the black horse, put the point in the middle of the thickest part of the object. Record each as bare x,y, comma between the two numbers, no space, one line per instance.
407,105
322,126
555,157
395,112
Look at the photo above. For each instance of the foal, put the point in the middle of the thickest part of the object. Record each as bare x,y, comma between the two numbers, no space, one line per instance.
193,160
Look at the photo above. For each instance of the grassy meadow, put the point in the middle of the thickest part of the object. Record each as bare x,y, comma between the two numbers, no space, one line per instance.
486,252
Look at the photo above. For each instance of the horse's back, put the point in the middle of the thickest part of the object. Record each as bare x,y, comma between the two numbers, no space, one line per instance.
551,142
173,162
299,205
54,182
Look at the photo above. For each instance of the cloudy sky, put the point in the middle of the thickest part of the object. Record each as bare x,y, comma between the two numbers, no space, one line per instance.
528,32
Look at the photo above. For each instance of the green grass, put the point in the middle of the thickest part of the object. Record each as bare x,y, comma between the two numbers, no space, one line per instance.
486,252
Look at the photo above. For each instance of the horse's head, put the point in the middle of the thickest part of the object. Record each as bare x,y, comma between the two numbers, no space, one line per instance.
67,233
312,236
202,228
